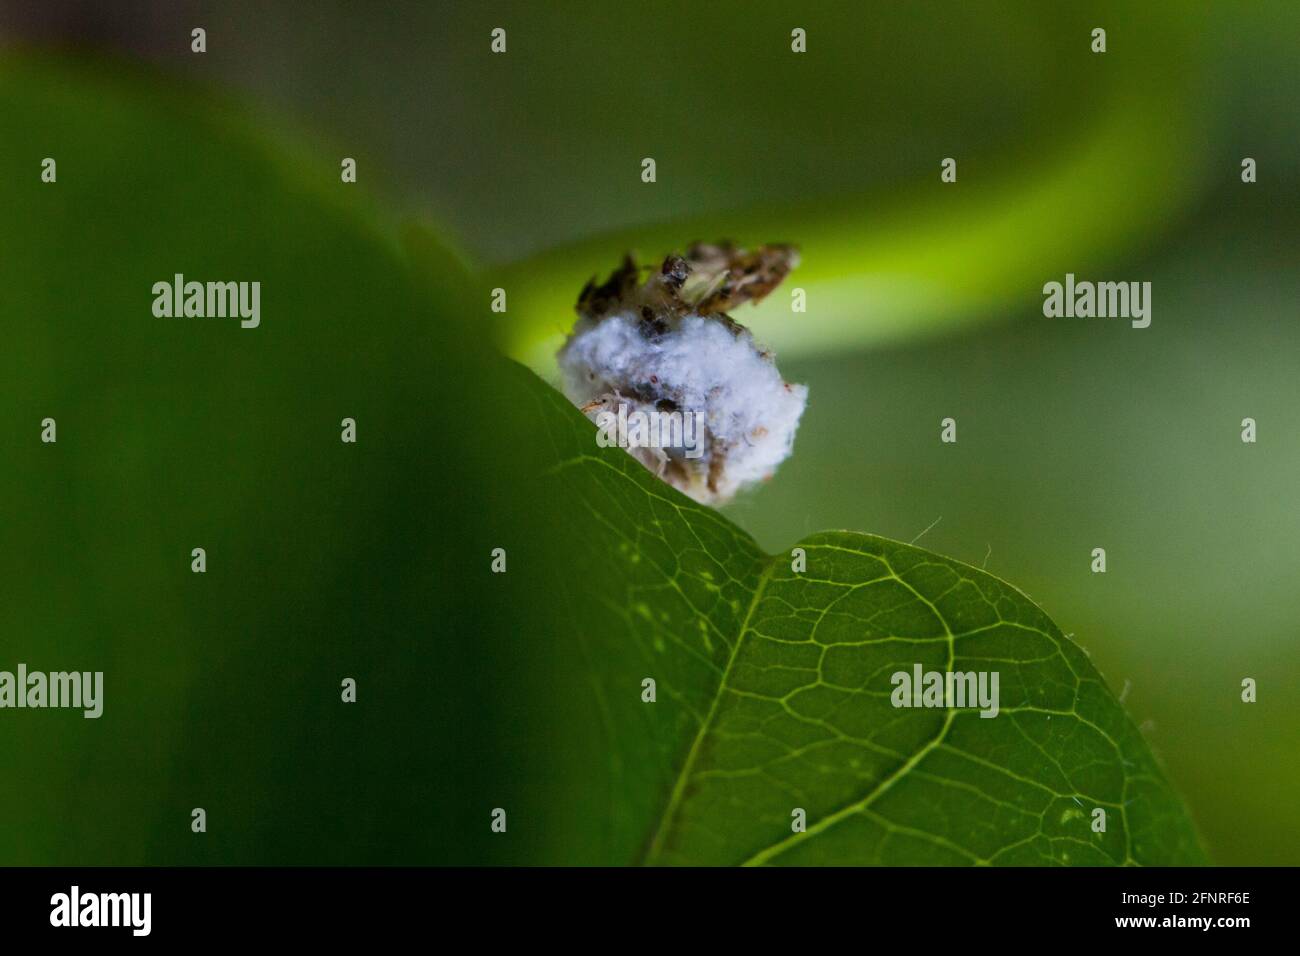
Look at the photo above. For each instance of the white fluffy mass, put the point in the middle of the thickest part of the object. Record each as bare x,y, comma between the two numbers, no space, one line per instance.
689,362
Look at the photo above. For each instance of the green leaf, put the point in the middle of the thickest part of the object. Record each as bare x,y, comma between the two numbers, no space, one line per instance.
774,694
892,253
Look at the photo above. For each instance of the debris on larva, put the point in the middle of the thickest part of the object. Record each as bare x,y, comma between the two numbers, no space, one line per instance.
657,345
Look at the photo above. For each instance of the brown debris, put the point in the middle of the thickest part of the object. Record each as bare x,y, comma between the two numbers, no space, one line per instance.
709,280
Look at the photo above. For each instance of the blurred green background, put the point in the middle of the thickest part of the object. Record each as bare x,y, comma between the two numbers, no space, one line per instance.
924,298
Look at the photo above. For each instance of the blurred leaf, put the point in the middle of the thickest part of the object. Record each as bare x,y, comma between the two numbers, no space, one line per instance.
880,271
325,560
1109,156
